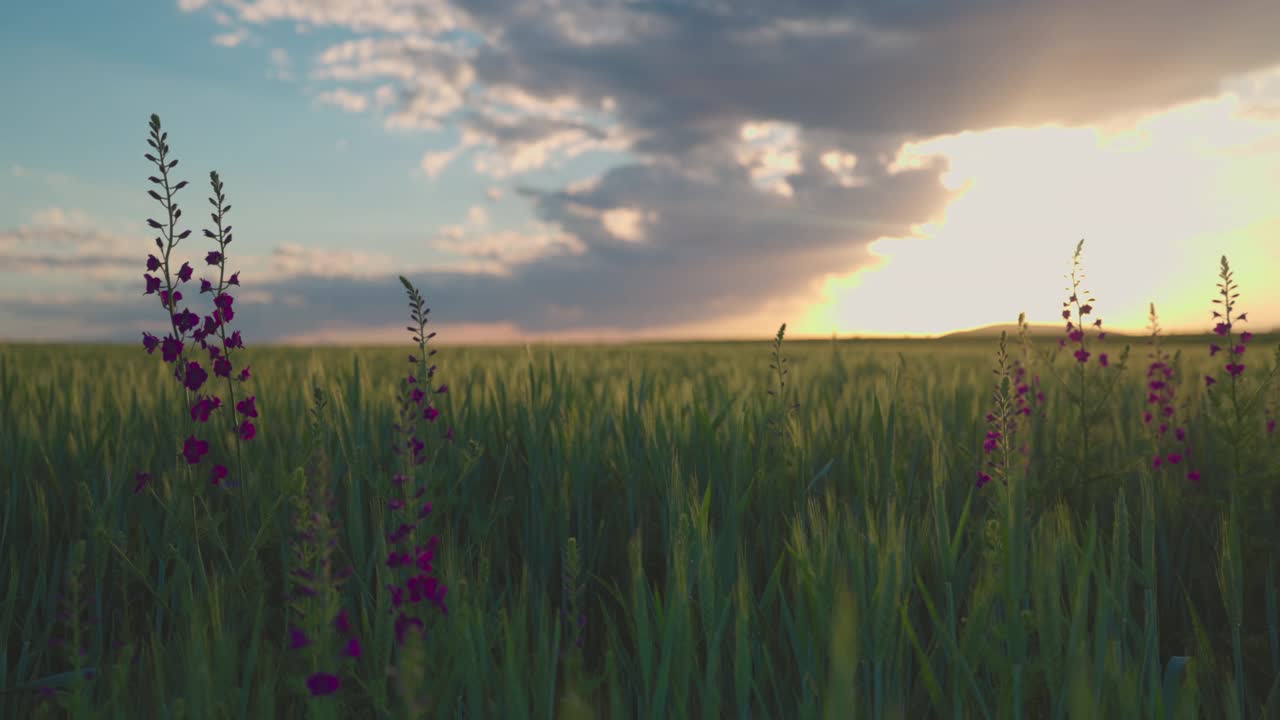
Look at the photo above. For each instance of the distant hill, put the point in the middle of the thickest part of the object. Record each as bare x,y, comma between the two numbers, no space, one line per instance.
1043,330
1038,330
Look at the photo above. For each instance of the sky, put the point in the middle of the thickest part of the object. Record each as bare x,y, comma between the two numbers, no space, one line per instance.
603,170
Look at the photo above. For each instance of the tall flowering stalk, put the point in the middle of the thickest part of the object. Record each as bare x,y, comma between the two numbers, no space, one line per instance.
1232,344
1006,533
316,603
1016,399
782,413
1028,393
186,326
1170,443
1080,321
224,344
1233,368
413,562
1244,496
1002,421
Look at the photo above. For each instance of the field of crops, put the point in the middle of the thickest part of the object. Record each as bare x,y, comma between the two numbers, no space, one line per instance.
644,531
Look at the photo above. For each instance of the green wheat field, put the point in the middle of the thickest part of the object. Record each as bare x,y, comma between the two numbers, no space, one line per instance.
1018,528
650,531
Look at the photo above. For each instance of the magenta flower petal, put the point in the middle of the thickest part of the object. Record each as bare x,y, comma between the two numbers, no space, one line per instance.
194,449
222,366
246,406
195,376
170,349
247,430
203,407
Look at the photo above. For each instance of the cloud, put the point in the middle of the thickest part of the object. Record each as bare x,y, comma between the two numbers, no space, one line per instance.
48,177
501,252
626,223
390,16
345,99
384,96
434,163
281,65
294,259
56,218
62,241
768,151
231,39
841,165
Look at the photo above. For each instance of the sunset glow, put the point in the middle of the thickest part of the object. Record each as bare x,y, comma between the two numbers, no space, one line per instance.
1157,202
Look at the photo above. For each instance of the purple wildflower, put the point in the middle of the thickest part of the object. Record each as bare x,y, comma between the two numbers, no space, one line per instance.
246,407
194,449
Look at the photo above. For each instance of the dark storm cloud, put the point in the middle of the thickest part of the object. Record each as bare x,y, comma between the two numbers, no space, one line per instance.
696,261
688,73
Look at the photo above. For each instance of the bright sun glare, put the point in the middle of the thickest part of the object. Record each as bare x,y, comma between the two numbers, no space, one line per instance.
1157,201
